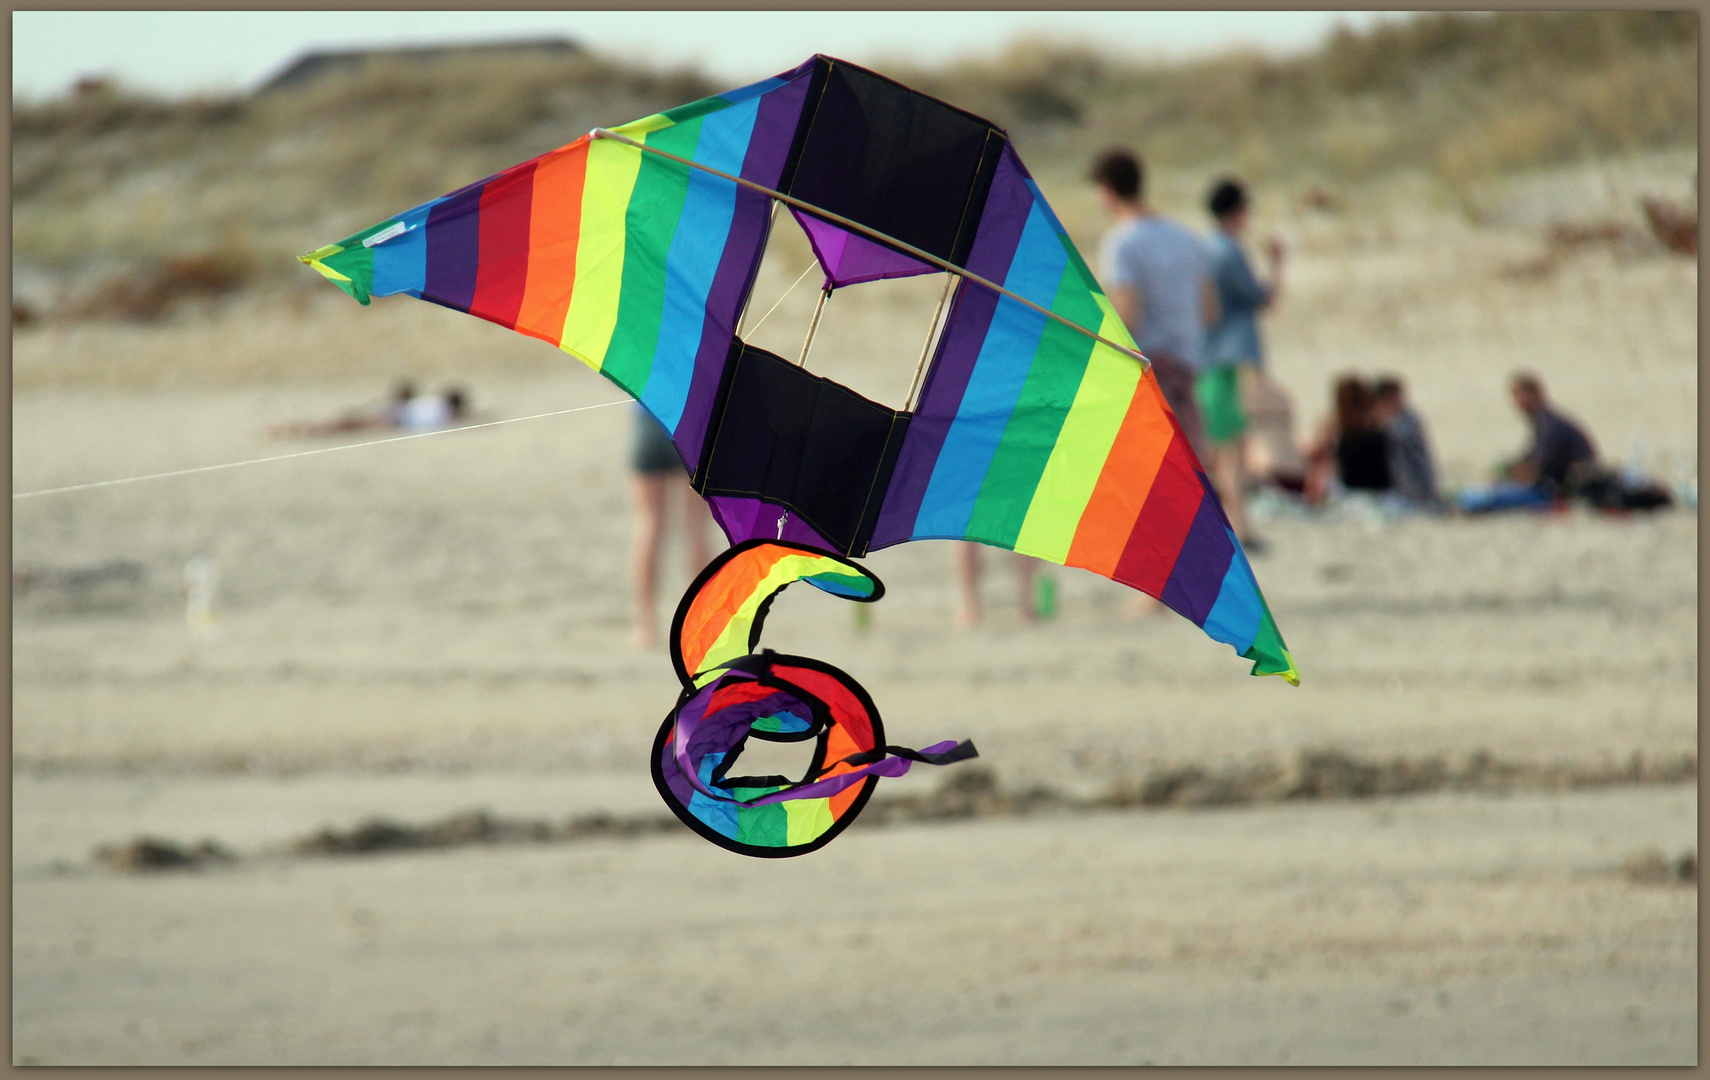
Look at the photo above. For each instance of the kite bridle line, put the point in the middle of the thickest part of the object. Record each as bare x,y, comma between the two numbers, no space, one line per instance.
755,329
839,219
742,315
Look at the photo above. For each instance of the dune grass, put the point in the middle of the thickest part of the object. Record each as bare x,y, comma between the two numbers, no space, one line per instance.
107,179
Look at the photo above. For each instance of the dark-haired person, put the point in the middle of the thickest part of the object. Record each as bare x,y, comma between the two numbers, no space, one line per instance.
1413,473
1233,346
1158,277
1351,450
1560,450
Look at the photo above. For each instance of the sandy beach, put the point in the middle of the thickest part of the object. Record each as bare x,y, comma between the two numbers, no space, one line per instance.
412,630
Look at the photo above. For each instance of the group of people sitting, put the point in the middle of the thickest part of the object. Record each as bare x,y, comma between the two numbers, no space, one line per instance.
1372,441
1375,442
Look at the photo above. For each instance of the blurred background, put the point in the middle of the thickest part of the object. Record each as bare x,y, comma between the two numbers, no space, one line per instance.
343,758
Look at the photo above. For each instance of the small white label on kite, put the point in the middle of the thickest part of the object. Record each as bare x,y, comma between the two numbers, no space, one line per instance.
397,228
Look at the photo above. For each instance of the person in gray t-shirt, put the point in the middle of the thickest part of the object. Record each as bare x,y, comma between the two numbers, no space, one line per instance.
1158,277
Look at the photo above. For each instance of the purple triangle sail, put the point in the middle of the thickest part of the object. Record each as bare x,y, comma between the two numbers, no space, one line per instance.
849,259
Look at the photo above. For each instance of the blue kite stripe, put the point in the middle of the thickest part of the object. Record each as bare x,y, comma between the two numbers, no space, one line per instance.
1234,619
719,815
692,261
993,391
400,264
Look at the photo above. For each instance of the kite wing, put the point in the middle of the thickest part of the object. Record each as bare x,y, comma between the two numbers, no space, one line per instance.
1030,434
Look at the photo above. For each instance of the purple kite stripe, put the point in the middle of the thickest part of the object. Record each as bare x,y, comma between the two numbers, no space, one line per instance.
748,519
1001,225
891,766
1203,562
697,736
454,249
819,789
774,130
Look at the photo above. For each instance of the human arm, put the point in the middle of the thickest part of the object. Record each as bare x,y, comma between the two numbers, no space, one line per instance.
1274,254
1129,306
1526,469
1211,307
1234,276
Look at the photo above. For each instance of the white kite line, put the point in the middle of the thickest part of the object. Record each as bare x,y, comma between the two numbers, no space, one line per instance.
306,453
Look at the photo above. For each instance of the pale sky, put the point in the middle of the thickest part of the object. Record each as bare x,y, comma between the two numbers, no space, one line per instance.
177,52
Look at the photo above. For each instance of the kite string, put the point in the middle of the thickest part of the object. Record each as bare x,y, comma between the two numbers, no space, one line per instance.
306,453
750,331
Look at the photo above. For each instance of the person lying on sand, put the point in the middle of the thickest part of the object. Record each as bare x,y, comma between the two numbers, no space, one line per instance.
404,409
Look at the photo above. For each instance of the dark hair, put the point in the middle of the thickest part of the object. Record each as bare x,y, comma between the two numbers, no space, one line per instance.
1525,380
1120,171
1353,403
457,398
1387,388
1227,196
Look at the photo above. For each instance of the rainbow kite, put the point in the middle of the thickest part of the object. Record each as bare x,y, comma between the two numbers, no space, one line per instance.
1037,425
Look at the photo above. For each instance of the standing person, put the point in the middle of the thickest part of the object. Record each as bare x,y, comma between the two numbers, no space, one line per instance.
1158,277
1412,472
1233,346
968,573
658,472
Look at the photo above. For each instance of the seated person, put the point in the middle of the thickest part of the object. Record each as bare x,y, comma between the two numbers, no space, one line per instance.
1560,453
1412,472
1351,448
1273,456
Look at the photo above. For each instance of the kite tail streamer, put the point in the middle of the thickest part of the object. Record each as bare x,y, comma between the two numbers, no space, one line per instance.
731,694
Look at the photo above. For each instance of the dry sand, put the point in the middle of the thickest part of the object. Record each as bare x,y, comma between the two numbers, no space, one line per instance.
441,624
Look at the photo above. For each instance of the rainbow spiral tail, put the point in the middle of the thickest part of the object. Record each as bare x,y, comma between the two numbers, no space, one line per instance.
731,694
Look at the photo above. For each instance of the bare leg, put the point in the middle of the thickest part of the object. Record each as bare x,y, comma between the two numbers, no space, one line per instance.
1142,606
1227,474
1027,603
649,491
967,559
695,519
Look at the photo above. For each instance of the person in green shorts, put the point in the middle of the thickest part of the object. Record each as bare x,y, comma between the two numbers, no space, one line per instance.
1231,347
